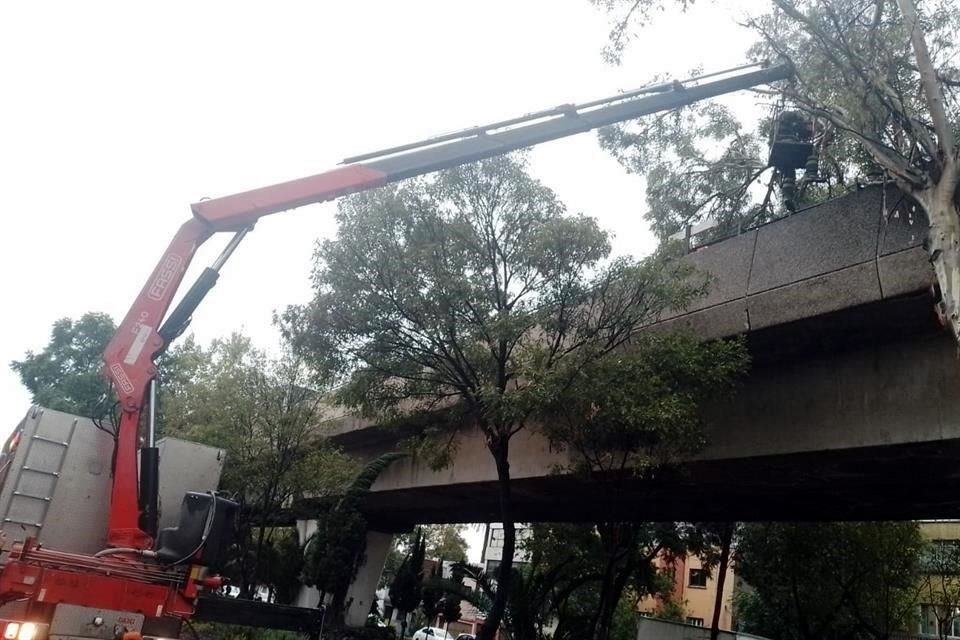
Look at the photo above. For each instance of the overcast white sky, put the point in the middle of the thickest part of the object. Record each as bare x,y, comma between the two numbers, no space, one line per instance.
116,115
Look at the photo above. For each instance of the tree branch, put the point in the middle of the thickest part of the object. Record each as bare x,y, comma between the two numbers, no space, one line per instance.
931,87
884,156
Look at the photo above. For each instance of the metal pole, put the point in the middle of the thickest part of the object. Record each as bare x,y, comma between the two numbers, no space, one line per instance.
178,319
150,471
229,249
152,417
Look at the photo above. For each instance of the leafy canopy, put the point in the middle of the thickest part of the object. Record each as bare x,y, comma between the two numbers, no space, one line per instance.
466,287
472,295
630,413
558,592
858,79
406,591
66,374
266,416
940,586
829,580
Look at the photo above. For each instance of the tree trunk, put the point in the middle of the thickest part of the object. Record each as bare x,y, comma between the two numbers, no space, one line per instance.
608,605
727,541
337,606
620,540
257,554
944,247
500,448
944,238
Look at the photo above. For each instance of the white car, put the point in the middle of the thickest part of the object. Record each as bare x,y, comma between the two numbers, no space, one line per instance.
432,633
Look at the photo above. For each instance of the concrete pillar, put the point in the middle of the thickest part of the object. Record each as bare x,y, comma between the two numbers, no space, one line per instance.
361,593
308,596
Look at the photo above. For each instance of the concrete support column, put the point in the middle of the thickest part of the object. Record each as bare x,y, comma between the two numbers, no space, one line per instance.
308,596
362,592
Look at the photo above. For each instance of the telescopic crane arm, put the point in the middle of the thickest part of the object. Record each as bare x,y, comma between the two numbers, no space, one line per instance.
147,330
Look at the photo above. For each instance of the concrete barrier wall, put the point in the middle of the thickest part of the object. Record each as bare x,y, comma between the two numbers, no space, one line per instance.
653,629
861,248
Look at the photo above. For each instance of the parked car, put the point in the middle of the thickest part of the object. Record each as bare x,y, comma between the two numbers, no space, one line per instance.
432,633
466,636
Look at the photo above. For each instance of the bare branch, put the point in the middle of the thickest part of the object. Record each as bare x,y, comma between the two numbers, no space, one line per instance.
931,87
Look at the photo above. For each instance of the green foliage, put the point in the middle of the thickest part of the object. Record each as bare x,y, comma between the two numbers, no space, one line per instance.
182,368
335,551
753,616
527,603
444,542
625,417
280,565
624,626
632,412
431,596
699,162
469,298
830,580
372,633
220,631
450,605
66,374
940,586
858,77
627,15
673,610
452,289
266,417
566,580
368,475
407,587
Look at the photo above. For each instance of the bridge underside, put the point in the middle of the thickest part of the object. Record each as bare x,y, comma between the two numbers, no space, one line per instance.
851,409
895,482
906,480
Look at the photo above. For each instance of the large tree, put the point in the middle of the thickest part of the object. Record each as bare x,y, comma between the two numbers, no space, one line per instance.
829,580
468,294
626,418
279,566
407,587
559,591
66,374
266,417
940,585
876,82
444,542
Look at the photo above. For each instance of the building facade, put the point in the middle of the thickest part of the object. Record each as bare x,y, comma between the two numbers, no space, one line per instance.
945,536
492,552
695,590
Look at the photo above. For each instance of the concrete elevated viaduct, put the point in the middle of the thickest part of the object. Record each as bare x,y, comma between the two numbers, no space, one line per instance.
850,411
